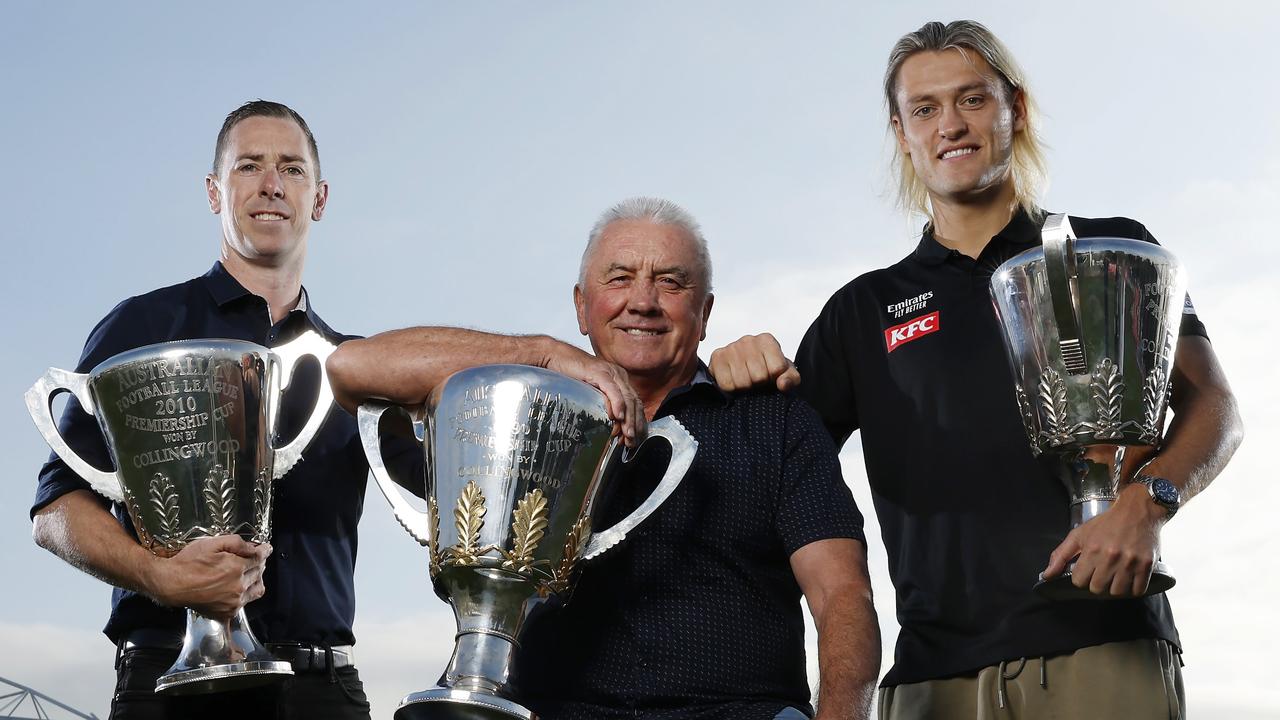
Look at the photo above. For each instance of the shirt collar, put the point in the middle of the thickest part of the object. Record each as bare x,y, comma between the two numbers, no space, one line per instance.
1023,231
224,288
702,384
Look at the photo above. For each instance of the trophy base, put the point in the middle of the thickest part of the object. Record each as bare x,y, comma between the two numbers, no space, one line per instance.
453,704
1060,588
217,678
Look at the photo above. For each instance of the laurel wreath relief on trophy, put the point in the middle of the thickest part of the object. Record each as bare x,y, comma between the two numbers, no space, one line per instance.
529,522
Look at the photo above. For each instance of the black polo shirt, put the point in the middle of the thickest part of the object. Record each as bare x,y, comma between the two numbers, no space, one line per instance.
310,593
697,614
968,516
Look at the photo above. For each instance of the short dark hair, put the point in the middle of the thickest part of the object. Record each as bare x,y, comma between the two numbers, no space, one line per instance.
262,108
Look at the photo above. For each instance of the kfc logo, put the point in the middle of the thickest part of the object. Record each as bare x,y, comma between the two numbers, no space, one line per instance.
912,330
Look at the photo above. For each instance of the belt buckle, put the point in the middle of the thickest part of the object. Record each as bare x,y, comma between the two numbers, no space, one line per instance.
292,653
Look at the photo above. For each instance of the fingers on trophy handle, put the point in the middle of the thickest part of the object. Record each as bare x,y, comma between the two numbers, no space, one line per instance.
369,417
308,343
683,450
40,405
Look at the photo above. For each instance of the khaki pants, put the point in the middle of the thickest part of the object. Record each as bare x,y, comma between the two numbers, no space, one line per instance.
1136,680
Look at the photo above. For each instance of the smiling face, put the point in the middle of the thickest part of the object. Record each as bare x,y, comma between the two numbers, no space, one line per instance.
644,303
956,121
266,191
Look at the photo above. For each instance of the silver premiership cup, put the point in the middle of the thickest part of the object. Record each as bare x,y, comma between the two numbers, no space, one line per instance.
516,457
189,425
1091,326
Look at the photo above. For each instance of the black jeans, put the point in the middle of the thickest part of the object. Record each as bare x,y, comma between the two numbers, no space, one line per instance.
333,694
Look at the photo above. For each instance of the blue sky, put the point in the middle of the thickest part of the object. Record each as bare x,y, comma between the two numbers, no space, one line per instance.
469,147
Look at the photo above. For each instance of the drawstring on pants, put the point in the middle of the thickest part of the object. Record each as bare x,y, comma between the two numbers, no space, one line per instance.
1005,676
333,675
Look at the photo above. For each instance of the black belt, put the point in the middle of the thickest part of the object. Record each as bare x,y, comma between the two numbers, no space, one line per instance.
304,657
309,658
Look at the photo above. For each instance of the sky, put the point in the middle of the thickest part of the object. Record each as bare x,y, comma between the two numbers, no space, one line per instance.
470,146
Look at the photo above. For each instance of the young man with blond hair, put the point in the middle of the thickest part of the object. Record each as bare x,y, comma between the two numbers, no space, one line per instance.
967,515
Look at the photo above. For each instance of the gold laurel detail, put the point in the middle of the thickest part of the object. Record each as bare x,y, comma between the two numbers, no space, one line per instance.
468,518
164,500
262,507
219,498
433,533
574,544
528,524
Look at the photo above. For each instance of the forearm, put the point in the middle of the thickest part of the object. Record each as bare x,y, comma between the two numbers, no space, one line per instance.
1206,427
848,655
404,366
76,528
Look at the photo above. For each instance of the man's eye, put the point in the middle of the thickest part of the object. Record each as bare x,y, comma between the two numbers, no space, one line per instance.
293,170
616,279
247,167
972,101
670,282
922,112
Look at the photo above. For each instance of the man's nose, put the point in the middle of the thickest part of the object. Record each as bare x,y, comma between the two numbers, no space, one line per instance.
272,184
643,296
952,124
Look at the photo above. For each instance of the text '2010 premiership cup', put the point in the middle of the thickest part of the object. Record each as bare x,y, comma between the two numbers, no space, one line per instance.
1091,326
516,457
189,425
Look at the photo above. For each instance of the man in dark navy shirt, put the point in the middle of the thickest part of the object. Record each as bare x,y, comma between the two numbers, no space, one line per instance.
267,189
967,514
697,615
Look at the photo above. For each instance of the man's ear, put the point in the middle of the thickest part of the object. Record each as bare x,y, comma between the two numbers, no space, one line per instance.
1019,104
899,135
214,192
322,198
706,314
580,307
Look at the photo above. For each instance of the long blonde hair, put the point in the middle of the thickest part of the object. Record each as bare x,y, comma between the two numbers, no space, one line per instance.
1029,167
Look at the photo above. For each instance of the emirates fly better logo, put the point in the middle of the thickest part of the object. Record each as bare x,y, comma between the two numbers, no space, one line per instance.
911,330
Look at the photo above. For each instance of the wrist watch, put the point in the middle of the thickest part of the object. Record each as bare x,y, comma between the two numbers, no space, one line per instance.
1162,492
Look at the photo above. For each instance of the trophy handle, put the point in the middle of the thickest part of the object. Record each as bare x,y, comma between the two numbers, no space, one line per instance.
683,449
411,519
40,405
308,343
1060,268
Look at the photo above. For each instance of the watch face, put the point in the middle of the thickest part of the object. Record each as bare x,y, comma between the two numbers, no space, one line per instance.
1164,492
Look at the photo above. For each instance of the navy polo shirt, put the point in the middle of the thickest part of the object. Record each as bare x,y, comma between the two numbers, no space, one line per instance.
310,593
968,516
697,614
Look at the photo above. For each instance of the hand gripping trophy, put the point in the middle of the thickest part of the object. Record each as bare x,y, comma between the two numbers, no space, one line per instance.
516,457
1091,328
189,425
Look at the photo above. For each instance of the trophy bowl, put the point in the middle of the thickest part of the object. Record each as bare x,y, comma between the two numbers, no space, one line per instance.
1091,328
516,457
189,425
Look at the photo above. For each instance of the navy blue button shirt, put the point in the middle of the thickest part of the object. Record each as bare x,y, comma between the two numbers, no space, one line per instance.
310,593
697,614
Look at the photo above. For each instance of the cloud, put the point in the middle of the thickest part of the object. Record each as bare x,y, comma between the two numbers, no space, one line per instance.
71,665
404,654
